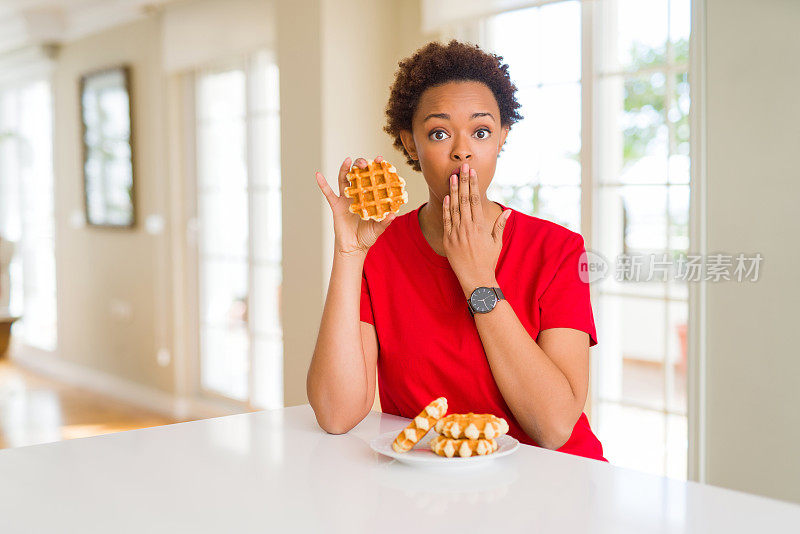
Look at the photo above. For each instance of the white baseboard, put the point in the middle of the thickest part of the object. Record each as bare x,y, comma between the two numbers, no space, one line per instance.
145,397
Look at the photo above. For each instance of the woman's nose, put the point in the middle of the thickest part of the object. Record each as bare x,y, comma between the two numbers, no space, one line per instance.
461,150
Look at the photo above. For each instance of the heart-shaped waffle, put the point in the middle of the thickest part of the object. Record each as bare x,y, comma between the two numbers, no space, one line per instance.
376,191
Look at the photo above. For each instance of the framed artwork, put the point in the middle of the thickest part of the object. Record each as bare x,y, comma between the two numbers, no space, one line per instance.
108,172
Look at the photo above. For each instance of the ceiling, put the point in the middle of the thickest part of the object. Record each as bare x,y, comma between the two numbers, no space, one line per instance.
24,23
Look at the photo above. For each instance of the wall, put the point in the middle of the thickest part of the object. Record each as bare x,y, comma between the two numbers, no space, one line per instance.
113,285
753,132
301,87
337,60
199,31
118,292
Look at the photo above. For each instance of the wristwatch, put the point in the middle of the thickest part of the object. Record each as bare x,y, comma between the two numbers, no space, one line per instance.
484,299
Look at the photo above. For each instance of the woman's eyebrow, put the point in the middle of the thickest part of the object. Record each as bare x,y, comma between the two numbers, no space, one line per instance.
447,117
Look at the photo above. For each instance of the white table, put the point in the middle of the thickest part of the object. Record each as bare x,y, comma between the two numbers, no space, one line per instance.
277,471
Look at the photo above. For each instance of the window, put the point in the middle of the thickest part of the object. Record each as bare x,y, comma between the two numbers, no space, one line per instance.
638,178
641,185
539,170
239,246
26,210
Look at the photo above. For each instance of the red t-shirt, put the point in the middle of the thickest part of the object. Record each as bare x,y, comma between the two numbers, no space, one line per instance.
428,342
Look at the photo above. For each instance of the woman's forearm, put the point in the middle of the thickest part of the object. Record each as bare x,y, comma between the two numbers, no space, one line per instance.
337,377
536,391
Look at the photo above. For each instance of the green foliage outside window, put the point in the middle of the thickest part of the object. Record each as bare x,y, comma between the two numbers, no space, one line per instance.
645,100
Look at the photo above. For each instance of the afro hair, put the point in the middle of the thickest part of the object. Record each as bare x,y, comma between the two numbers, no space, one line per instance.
436,64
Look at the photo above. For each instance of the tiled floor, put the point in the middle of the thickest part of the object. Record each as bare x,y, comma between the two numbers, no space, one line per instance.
35,409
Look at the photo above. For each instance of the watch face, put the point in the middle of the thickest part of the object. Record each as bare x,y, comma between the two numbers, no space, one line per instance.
483,299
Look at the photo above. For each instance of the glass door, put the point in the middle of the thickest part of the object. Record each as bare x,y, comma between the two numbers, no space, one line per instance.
26,212
605,95
239,231
641,187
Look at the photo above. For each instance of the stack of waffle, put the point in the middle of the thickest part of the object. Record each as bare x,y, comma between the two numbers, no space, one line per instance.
460,434
468,434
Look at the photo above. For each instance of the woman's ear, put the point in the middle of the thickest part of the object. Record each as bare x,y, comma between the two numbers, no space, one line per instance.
503,134
408,143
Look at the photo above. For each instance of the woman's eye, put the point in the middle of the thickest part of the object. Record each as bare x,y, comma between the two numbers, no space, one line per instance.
434,134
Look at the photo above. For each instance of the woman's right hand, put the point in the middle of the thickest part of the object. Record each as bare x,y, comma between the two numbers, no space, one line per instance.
354,235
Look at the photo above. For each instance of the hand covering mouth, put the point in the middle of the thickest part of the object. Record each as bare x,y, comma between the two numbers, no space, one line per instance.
456,171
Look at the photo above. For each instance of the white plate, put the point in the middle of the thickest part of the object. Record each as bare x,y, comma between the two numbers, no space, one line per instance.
422,454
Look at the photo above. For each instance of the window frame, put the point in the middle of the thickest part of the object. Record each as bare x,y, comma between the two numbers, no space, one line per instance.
195,257
39,74
475,30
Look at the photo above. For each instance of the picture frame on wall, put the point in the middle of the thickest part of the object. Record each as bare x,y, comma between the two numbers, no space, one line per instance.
109,190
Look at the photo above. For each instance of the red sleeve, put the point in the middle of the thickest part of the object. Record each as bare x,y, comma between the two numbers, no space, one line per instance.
366,301
565,302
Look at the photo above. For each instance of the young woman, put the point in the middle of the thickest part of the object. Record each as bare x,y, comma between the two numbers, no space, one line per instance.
400,290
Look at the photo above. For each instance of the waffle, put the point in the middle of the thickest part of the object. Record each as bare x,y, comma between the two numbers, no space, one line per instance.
444,446
472,426
376,191
420,425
